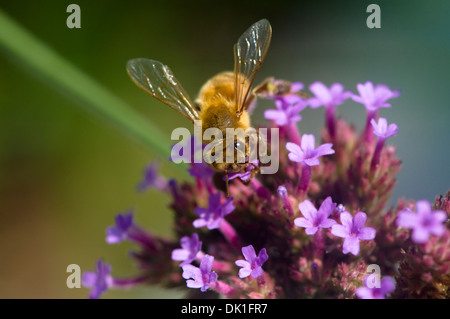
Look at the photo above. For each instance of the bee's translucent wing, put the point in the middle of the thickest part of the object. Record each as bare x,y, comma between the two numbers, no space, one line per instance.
157,79
249,53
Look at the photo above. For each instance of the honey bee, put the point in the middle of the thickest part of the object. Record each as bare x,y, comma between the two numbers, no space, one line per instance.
222,101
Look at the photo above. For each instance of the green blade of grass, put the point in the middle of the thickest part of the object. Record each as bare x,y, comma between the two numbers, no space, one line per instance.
94,97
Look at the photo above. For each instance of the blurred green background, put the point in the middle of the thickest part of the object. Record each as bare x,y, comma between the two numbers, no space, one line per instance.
65,174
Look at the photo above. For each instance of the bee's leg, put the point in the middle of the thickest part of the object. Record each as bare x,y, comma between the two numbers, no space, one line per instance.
246,182
255,168
253,172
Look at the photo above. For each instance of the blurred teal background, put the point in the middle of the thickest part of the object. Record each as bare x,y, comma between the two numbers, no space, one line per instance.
65,174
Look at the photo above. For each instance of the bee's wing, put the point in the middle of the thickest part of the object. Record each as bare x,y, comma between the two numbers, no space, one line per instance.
249,53
157,79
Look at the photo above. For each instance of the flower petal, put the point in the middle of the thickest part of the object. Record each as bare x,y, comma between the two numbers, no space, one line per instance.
311,230
327,223
324,149
190,271
249,253
327,207
420,235
199,223
257,272
296,154
423,207
308,142
302,222
113,235
387,285
321,92
359,220
262,257
308,210
367,233
346,220
278,116
244,272
407,219
194,283
364,293
88,279
242,263
351,245
312,161
293,148
180,254
339,231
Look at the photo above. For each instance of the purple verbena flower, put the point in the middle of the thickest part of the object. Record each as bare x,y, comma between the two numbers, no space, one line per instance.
202,276
120,231
328,97
245,175
374,97
313,219
152,179
424,222
387,285
201,170
383,131
307,153
287,110
190,247
185,152
340,209
252,263
353,230
212,216
191,152
99,281
381,128
283,193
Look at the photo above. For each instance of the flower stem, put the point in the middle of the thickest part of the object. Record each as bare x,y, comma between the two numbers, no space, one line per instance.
377,154
330,122
318,244
260,189
305,179
315,275
141,237
229,233
286,203
368,131
261,280
128,282
293,133
222,288
220,266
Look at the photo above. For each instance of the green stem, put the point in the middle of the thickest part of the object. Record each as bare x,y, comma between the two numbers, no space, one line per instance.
93,96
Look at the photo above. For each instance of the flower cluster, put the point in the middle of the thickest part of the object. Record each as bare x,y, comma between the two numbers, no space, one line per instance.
317,224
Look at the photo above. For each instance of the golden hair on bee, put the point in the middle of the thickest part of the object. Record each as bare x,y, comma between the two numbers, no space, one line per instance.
223,100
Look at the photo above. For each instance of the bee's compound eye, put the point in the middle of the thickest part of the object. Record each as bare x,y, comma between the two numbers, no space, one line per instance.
237,145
